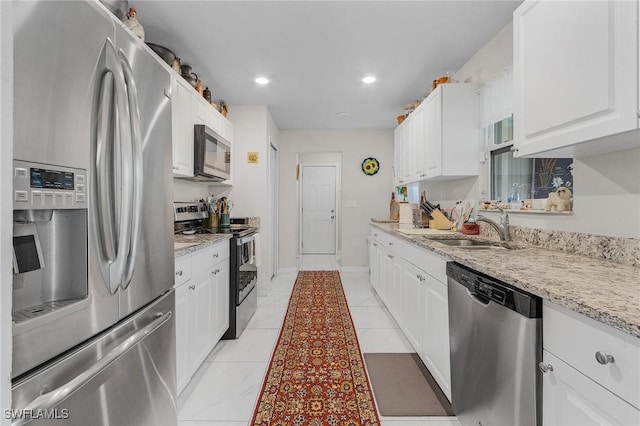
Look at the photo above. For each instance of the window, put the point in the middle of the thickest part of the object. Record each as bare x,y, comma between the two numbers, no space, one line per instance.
514,180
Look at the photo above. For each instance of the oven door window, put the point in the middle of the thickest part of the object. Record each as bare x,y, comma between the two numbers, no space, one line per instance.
217,156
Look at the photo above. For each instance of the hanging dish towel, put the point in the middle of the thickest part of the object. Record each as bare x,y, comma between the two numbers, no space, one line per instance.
256,250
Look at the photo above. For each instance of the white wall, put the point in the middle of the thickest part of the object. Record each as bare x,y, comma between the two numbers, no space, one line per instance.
6,204
184,190
606,187
371,194
254,130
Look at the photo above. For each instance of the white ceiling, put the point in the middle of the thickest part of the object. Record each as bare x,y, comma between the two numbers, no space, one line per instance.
316,52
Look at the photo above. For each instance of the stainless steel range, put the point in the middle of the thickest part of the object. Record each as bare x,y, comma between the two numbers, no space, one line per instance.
243,277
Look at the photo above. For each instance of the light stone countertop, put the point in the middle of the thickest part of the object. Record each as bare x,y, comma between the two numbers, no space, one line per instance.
185,244
606,291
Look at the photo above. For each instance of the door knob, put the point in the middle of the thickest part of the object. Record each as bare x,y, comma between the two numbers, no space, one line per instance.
332,217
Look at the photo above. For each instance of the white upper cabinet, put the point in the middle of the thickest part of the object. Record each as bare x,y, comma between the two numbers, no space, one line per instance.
451,132
439,140
203,113
576,77
181,127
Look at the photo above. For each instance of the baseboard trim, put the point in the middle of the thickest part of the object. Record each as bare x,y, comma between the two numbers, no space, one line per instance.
287,270
364,269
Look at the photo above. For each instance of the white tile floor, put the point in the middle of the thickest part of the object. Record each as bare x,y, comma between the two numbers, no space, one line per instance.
224,390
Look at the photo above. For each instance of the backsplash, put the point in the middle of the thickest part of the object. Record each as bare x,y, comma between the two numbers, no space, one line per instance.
620,250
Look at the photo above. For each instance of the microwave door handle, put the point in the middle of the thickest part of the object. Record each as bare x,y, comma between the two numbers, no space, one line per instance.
52,398
124,173
137,167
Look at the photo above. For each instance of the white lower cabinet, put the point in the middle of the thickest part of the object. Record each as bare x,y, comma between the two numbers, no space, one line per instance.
435,333
411,282
571,398
202,307
413,306
591,371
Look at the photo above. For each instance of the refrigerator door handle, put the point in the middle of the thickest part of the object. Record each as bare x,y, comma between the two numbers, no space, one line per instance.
51,399
104,173
113,170
137,170
117,270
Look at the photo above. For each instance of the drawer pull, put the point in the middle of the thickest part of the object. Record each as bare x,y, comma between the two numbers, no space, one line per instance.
604,358
215,255
192,287
545,367
389,256
179,273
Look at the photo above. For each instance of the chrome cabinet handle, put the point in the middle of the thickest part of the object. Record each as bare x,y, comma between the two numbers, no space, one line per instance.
215,272
604,358
390,244
192,287
179,273
389,256
375,245
175,168
420,277
54,397
215,255
545,367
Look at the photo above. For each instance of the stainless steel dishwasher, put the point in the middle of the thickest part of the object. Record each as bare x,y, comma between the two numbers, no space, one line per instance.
495,346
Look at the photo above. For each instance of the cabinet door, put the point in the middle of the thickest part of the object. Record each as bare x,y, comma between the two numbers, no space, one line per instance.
435,336
418,163
407,148
184,332
412,317
570,398
398,159
575,73
202,313
182,128
386,271
220,300
396,290
433,133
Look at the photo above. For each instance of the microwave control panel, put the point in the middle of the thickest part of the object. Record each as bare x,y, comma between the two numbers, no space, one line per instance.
39,186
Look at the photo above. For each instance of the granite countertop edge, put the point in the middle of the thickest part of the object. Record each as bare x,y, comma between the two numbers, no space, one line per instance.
550,275
199,241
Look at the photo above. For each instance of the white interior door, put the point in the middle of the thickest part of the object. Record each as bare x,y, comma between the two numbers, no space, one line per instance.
318,209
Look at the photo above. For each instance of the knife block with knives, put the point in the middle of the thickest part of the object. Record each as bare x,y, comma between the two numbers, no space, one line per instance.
436,219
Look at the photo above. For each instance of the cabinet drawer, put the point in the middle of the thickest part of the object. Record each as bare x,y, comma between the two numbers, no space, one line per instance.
204,259
182,269
576,339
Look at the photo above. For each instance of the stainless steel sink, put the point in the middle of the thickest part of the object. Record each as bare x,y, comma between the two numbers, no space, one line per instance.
469,244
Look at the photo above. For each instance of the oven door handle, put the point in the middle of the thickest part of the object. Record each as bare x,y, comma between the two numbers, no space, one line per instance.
245,240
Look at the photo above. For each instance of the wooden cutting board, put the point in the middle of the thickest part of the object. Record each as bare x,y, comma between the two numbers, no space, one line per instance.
424,231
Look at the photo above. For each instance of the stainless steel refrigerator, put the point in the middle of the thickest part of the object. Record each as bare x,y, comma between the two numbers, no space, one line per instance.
93,326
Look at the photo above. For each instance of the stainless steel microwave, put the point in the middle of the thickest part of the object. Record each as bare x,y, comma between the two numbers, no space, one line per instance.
212,155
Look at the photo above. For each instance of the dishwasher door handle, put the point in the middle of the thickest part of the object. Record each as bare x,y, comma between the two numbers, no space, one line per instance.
480,300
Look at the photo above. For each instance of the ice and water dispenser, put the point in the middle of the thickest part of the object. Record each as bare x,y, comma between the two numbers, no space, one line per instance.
49,241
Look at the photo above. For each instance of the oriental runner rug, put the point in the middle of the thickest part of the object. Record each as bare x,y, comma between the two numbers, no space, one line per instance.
316,376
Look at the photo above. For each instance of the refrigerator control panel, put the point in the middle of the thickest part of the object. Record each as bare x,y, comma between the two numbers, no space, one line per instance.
39,186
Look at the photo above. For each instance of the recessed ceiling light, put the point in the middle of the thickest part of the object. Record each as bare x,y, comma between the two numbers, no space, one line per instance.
262,80
368,79
342,114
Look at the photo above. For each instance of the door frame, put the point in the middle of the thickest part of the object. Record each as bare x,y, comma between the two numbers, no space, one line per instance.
274,206
337,204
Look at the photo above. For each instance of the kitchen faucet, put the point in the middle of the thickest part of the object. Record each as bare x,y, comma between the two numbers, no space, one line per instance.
502,227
